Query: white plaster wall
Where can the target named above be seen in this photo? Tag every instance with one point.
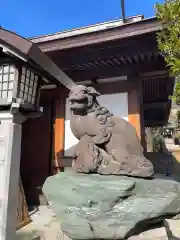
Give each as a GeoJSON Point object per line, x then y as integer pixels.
{"type": "Point", "coordinates": [70, 140]}
{"type": "Point", "coordinates": [116, 103]}
{"type": "Point", "coordinates": [5, 117]}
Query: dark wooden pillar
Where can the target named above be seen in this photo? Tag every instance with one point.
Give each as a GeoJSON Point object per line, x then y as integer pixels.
{"type": "Point", "coordinates": [143, 132]}
{"type": "Point", "coordinates": [134, 105]}
{"type": "Point", "coordinates": [135, 110]}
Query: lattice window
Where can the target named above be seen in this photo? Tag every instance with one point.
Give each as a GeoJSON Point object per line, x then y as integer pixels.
{"type": "Point", "coordinates": [7, 74]}
{"type": "Point", "coordinates": [28, 86]}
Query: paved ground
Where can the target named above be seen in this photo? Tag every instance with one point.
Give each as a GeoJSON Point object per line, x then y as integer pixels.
{"type": "Point", "coordinates": [39, 225]}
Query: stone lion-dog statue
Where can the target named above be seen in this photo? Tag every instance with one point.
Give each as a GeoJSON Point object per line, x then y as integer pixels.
{"type": "Point", "coordinates": [108, 144]}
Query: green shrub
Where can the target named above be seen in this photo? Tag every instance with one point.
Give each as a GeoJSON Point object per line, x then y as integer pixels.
{"type": "Point", "coordinates": [169, 39]}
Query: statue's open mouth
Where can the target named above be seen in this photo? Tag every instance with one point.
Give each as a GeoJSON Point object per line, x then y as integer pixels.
{"type": "Point", "coordinates": [78, 103]}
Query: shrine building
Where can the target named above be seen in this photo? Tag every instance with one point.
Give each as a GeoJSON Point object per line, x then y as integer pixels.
{"type": "Point", "coordinates": [121, 60]}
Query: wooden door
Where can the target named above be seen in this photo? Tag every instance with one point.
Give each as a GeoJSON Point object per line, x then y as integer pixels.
{"type": "Point", "coordinates": [36, 155]}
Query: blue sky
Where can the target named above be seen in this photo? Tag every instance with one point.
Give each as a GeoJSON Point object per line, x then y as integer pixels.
{"type": "Point", "coordinates": [37, 17]}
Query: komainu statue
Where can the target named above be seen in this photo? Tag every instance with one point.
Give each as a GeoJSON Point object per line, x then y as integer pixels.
{"type": "Point", "coordinates": [107, 144]}
{"type": "Point", "coordinates": [110, 193]}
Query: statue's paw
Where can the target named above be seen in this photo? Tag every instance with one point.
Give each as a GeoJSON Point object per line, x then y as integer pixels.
{"type": "Point", "coordinates": [110, 166]}
{"type": "Point", "coordinates": [145, 172]}
{"type": "Point", "coordinates": [141, 166]}
{"type": "Point", "coordinates": [81, 168]}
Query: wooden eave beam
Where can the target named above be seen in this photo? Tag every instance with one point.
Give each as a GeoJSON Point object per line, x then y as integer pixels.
{"type": "Point", "coordinates": [122, 32]}
{"type": "Point", "coordinates": [95, 56]}
{"type": "Point", "coordinates": [124, 70]}
{"type": "Point", "coordinates": [155, 74]}
{"type": "Point", "coordinates": [155, 123]}
{"type": "Point", "coordinates": [161, 105]}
